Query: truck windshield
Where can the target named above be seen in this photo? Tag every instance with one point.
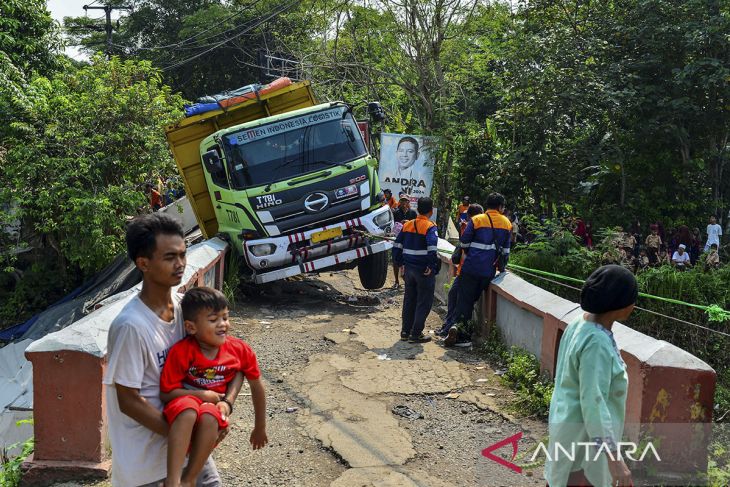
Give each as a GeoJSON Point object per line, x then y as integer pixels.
{"type": "Point", "coordinates": [292, 147]}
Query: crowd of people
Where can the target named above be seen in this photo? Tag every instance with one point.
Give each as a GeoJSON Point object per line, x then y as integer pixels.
{"type": "Point", "coordinates": [164, 192]}
{"type": "Point", "coordinates": [679, 247]}
{"type": "Point", "coordinates": [591, 383]}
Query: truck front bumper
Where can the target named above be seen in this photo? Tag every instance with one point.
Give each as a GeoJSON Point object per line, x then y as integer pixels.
{"type": "Point", "coordinates": [289, 255]}
{"type": "Point", "coordinates": [322, 263]}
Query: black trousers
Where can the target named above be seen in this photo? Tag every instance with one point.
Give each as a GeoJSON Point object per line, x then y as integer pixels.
{"type": "Point", "coordinates": [471, 287]}
{"type": "Point", "coordinates": [417, 300]}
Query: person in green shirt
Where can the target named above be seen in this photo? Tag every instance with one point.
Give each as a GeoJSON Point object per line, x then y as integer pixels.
{"type": "Point", "coordinates": [588, 406]}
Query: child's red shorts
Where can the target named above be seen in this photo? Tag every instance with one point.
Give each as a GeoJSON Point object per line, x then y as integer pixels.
{"type": "Point", "coordinates": [182, 403]}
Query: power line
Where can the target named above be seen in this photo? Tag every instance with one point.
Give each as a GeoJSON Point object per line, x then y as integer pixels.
{"type": "Point", "coordinates": [181, 44]}
{"type": "Point", "coordinates": [108, 13]}
{"type": "Point", "coordinates": [260, 21]}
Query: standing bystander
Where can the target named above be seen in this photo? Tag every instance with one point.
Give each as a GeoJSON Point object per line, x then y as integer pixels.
{"type": "Point", "coordinates": [154, 196]}
{"type": "Point", "coordinates": [400, 216]}
{"type": "Point", "coordinates": [486, 239]}
{"type": "Point", "coordinates": [653, 244]}
{"type": "Point", "coordinates": [415, 250]}
{"type": "Point", "coordinates": [591, 385]}
{"type": "Point", "coordinates": [714, 232]}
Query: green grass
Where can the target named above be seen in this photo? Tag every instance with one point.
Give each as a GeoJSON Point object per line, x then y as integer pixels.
{"type": "Point", "coordinates": [522, 375]}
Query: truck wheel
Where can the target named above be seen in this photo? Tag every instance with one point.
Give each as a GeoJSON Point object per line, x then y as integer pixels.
{"type": "Point", "coordinates": [373, 270]}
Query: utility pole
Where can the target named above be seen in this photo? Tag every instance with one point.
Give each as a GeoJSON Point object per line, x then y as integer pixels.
{"type": "Point", "coordinates": [108, 11]}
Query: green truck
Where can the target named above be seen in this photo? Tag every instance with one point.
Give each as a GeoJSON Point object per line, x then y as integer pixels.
{"type": "Point", "coordinates": [288, 183]}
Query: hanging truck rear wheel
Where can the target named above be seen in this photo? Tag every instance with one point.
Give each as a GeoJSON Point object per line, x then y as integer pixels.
{"type": "Point", "coordinates": [373, 270]}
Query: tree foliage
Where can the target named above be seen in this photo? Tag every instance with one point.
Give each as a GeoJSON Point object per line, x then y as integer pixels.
{"type": "Point", "coordinates": [74, 163]}
{"type": "Point", "coordinates": [28, 35]}
{"type": "Point", "coordinates": [203, 46]}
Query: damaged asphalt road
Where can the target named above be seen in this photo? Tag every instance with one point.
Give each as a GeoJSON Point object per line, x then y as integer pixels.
{"type": "Point", "coordinates": [351, 405]}
{"type": "Point", "coordinates": [332, 351]}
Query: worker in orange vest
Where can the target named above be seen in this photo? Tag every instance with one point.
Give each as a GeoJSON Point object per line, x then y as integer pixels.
{"type": "Point", "coordinates": [457, 259]}
{"type": "Point", "coordinates": [389, 199]}
{"type": "Point", "coordinates": [415, 250]}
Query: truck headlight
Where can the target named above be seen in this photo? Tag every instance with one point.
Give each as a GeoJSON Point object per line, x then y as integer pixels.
{"type": "Point", "coordinates": [260, 250]}
{"type": "Point", "coordinates": [384, 219]}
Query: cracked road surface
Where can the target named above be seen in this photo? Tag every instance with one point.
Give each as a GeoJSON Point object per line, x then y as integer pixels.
{"type": "Point", "coordinates": [336, 372]}
{"type": "Point", "coordinates": [331, 350]}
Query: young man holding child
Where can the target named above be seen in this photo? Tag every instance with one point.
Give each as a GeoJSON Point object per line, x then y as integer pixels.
{"type": "Point", "coordinates": [138, 343]}
{"type": "Point", "coordinates": [194, 380]}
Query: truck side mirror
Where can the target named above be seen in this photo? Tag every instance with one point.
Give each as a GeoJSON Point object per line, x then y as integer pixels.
{"type": "Point", "coordinates": [212, 162]}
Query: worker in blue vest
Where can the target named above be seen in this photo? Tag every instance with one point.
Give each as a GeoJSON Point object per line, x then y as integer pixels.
{"type": "Point", "coordinates": [415, 252]}
{"type": "Point", "coordinates": [486, 241]}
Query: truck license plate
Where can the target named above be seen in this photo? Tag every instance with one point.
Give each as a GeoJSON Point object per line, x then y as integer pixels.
{"type": "Point", "coordinates": [326, 235]}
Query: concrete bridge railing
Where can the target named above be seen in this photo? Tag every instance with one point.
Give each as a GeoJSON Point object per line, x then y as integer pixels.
{"type": "Point", "coordinates": [670, 389]}
{"type": "Point", "coordinates": [667, 385]}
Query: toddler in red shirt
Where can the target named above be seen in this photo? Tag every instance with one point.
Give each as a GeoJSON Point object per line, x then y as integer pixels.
{"type": "Point", "coordinates": [194, 381]}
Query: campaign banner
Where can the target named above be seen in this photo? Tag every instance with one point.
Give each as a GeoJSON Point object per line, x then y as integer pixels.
{"type": "Point", "coordinates": [406, 164]}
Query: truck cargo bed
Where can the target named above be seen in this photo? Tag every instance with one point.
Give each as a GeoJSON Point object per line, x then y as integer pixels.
{"type": "Point", "coordinates": [184, 139]}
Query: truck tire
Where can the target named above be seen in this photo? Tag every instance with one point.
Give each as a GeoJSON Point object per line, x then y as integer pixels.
{"type": "Point", "coordinates": [373, 270]}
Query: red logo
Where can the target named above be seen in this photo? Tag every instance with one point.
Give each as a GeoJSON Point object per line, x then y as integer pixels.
{"type": "Point", "coordinates": [358, 179]}
{"type": "Point", "coordinates": [513, 440]}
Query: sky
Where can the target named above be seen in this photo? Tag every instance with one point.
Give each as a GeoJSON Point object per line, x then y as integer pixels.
{"type": "Point", "coordinates": [75, 8]}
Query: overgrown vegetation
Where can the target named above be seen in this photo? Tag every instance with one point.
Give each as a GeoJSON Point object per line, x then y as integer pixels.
{"type": "Point", "coordinates": [10, 472]}
{"type": "Point", "coordinates": [520, 371]}
{"type": "Point", "coordinates": [77, 148]}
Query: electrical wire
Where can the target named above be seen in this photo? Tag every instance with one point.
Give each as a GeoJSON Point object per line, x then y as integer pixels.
{"type": "Point", "coordinates": [261, 20]}
{"type": "Point", "coordinates": [181, 44]}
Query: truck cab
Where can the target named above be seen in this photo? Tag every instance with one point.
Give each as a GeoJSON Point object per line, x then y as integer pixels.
{"type": "Point", "coordinates": [294, 192]}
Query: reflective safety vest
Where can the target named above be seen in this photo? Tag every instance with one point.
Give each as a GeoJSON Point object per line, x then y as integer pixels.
{"type": "Point", "coordinates": [481, 241]}
{"type": "Point", "coordinates": [417, 245]}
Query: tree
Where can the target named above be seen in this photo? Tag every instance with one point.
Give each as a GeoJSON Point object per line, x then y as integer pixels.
{"type": "Point", "coordinates": [201, 46]}
{"type": "Point", "coordinates": [29, 36]}
{"type": "Point", "coordinates": [74, 164]}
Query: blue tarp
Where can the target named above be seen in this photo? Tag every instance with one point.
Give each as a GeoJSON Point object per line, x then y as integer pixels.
{"type": "Point", "coordinates": [210, 103]}
{"type": "Point", "coordinates": [118, 276]}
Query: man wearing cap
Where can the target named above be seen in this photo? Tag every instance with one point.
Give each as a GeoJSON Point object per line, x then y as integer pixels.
{"type": "Point", "coordinates": [588, 405]}
{"type": "Point", "coordinates": [680, 258]}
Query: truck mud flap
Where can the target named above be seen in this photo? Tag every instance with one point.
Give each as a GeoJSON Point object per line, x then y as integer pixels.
{"type": "Point", "coordinates": [323, 262]}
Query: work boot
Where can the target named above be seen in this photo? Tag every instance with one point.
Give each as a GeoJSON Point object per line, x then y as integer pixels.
{"type": "Point", "coordinates": [452, 337]}
{"type": "Point", "coordinates": [420, 339]}
{"type": "Point", "coordinates": [403, 336]}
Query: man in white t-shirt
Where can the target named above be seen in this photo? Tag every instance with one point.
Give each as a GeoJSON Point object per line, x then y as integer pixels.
{"type": "Point", "coordinates": [138, 342]}
{"type": "Point", "coordinates": [680, 258]}
{"type": "Point", "coordinates": [714, 232]}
